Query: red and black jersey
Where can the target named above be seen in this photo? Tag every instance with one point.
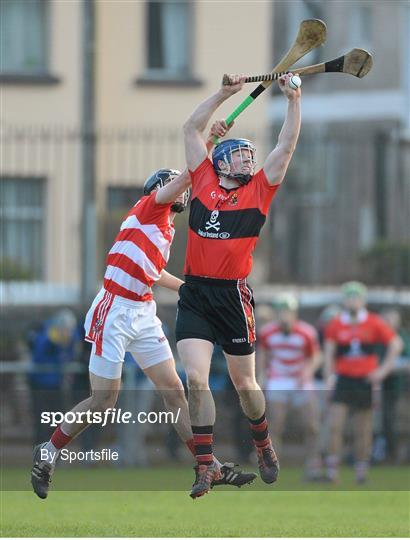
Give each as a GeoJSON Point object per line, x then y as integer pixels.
{"type": "Point", "coordinates": [356, 342]}
{"type": "Point", "coordinates": [224, 225]}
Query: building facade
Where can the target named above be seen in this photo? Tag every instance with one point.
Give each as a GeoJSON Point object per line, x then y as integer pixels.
{"type": "Point", "coordinates": [347, 189]}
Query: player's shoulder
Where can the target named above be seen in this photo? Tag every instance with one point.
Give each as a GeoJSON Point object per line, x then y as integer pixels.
{"type": "Point", "coordinates": [334, 325]}
{"type": "Point", "coordinates": [205, 167]}
{"type": "Point", "coordinates": [375, 319]}
{"type": "Point", "coordinates": [260, 179]}
{"type": "Point", "coordinates": [147, 210]}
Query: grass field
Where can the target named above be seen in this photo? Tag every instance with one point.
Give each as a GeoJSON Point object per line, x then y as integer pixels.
{"type": "Point", "coordinates": [246, 512]}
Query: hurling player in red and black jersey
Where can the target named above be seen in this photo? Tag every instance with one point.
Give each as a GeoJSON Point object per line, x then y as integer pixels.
{"type": "Point", "coordinates": [352, 372]}
{"type": "Point", "coordinates": [228, 209]}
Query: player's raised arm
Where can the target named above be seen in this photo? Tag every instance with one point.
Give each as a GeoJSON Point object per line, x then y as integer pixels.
{"type": "Point", "coordinates": [173, 189]}
{"type": "Point", "coordinates": [277, 162]}
{"type": "Point", "coordinates": [181, 183]}
{"type": "Point", "coordinates": [195, 146]}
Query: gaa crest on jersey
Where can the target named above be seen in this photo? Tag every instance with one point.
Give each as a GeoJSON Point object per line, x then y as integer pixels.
{"type": "Point", "coordinates": [233, 200]}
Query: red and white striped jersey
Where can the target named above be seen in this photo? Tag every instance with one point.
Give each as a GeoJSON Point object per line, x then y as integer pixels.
{"type": "Point", "coordinates": [288, 352]}
{"type": "Point", "coordinates": [141, 250]}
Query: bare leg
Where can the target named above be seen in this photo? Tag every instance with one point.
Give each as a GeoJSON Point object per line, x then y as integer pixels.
{"type": "Point", "coordinates": [363, 428]}
{"type": "Point", "coordinates": [337, 418]}
{"type": "Point", "coordinates": [277, 411]}
{"type": "Point", "coordinates": [196, 357]}
{"type": "Point", "coordinates": [309, 413]}
{"type": "Point", "coordinates": [104, 394]}
{"type": "Point", "coordinates": [167, 382]}
{"type": "Point", "coordinates": [242, 373]}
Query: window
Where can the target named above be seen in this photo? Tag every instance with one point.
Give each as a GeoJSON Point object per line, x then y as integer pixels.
{"type": "Point", "coordinates": [168, 39]}
{"type": "Point", "coordinates": [22, 228]}
{"type": "Point", "coordinates": [23, 36]}
{"type": "Point", "coordinates": [299, 10]}
{"type": "Point", "coordinates": [361, 22]}
{"type": "Point", "coordinates": [122, 198]}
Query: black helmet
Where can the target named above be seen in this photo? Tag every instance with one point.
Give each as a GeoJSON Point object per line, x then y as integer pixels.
{"type": "Point", "coordinates": [159, 179]}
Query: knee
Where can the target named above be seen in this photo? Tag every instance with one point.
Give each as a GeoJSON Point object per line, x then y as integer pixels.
{"type": "Point", "coordinates": [101, 400]}
{"type": "Point", "coordinates": [197, 381]}
{"type": "Point", "coordinates": [245, 384]}
{"type": "Point", "coordinates": [173, 392]}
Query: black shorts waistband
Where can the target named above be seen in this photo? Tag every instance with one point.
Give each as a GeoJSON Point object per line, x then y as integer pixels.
{"type": "Point", "coordinates": [215, 282]}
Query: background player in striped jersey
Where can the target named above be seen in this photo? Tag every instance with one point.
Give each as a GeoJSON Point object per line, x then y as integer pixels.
{"type": "Point", "coordinates": [228, 209]}
{"type": "Point", "coordinates": [288, 356]}
{"type": "Point", "coordinates": [123, 318]}
{"type": "Point", "coordinates": [352, 374]}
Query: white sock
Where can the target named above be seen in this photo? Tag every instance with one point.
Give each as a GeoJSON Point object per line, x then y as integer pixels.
{"type": "Point", "coordinates": [216, 460]}
{"type": "Point", "coordinates": [52, 452]}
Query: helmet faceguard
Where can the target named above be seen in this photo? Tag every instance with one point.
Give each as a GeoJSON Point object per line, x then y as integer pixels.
{"type": "Point", "coordinates": [159, 179]}
{"type": "Point", "coordinates": [178, 206]}
{"type": "Point", "coordinates": [223, 152]}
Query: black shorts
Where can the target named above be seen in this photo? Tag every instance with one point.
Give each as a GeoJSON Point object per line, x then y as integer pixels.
{"type": "Point", "coordinates": [355, 392]}
{"type": "Point", "coordinates": [217, 310]}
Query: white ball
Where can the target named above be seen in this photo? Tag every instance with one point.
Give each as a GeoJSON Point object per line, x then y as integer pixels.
{"type": "Point", "coordinates": [295, 82]}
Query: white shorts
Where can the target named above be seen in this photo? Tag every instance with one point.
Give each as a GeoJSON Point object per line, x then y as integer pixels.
{"type": "Point", "coordinates": [287, 390]}
{"type": "Point", "coordinates": [115, 326]}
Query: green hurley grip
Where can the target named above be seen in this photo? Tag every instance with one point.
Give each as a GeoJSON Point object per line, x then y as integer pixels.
{"type": "Point", "coordinates": [240, 108]}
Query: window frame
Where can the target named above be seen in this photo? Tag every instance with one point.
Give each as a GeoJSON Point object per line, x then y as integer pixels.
{"type": "Point", "coordinates": [157, 76]}
{"type": "Point", "coordinates": [40, 77]}
{"type": "Point", "coordinates": [42, 181]}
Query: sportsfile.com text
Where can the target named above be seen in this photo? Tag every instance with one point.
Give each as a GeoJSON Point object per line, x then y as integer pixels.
{"type": "Point", "coordinates": [110, 416]}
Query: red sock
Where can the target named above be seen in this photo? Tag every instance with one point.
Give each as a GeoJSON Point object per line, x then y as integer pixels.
{"type": "Point", "coordinates": [59, 439]}
{"type": "Point", "coordinates": [203, 439]}
{"type": "Point", "coordinates": [260, 433]}
{"type": "Point", "coordinates": [191, 446]}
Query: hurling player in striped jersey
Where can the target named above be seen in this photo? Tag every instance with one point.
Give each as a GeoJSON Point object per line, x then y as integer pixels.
{"type": "Point", "coordinates": [123, 319]}
{"type": "Point", "coordinates": [229, 205]}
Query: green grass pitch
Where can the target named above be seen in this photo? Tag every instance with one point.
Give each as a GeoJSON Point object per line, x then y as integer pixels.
{"type": "Point", "coordinates": [232, 512]}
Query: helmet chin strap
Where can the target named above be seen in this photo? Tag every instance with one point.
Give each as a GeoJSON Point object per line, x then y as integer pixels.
{"type": "Point", "coordinates": [177, 207]}
{"type": "Point", "coordinates": [239, 177]}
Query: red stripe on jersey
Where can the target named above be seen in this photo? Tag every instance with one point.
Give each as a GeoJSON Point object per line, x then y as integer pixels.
{"type": "Point", "coordinates": [288, 347]}
{"type": "Point", "coordinates": [120, 260]}
{"type": "Point", "coordinates": [115, 288]}
{"type": "Point", "coordinates": [288, 351]}
{"type": "Point", "coordinates": [290, 361]}
{"type": "Point", "coordinates": [137, 237]}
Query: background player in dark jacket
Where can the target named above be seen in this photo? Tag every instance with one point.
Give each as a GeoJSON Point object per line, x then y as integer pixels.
{"type": "Point", "coordinates": [228, 209]}
{"type": "Point", "coordinates": [352, 372]}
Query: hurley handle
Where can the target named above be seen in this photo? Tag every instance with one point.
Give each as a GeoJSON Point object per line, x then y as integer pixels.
{"type": "Point", "coordinates": [241, 107]}
{"type": "Point", "coordinates": [256, 78]}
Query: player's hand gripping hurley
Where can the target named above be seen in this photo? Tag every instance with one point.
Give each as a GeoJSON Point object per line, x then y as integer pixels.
{"type": "Point", "coordinates": [311, 34]}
